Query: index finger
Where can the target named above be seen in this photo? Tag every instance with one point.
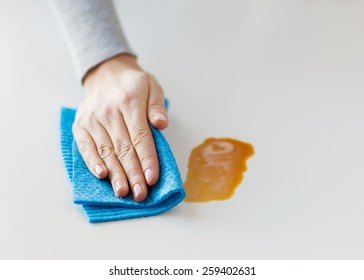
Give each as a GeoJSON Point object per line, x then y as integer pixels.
{"type": "Point", "coordinates": [143, 142]}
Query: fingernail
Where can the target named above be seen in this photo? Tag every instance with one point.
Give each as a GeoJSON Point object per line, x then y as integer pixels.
{"type": "Point", "coordinates": [117, 187]}
{"type": "Point", "coordinates": [137, 190]}
{"type": "Point", "coordinates": [149, 175]}
{"type": "Point", "coordinates": [160, 117]}
{"type": "Point", "coordinates": [98, 169]}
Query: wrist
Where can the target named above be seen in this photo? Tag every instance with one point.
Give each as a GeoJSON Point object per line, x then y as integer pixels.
{"type": "Point", "coordinates": [111, 66]}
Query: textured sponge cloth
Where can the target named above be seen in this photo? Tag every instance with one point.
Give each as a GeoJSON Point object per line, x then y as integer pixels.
{"type": "Point", "coordinates": [97, 197]}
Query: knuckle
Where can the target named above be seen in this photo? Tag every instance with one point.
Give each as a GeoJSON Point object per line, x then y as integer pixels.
{"type": "Point", "coordinates": [107, 114]}
{"type": "Point", "coordinates": [140, 135]}
{"type": "Point", "coordinates": [118, 174]}
{"type": "Point", "coordinates": [84, 146]}
{"type": "Point", "coordinates": [75, 128]}
{"type": "Point", "coordinates": [135, 93]}
{"type": "Point", "coordinates": [105, 150]}
{"type": "Point", "coordinates": [133, 173]}
{"type": "Point", "coordinates": [147, 160]}
{"type": "Point", "coordinates": [82, 118]}
{"type": "Point", "coordinates": [128, 99]}
{"type": "Point", "coordinates": [122, 148]}
{"type": "Point", "coordinates": [141, 77]}
{"type": "Point", "coordinates": [157, 107]}
{"type": "Point", "coordinates": [131, 102]}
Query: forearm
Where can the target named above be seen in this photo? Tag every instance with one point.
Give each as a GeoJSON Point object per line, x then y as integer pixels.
{"type": "Point", "coordinates": [92, 31]}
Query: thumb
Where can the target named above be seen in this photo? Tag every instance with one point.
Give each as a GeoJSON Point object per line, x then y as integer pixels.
{"type": "Point", "coordinates": [157, 113]}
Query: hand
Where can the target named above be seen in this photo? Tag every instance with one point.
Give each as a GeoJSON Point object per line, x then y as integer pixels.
{"type": "Point", "coordinates": [111, 125]}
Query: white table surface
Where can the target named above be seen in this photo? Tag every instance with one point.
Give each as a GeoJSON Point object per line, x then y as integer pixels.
{"type": "Point", "coordinates": [286, 76]}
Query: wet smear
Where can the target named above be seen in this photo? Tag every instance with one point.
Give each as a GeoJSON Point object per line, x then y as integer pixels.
{"type": "Point", "coordinates": [215, 169]}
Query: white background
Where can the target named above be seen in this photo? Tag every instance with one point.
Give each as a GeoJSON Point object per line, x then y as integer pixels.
{"type": "Point", "coordinates": [286, 76]}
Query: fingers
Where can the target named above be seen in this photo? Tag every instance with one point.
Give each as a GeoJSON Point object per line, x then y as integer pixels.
{"type": "Point", "coordinates": [101, 152]}
{"type": "Point", "coordinates": [88, 151]}
{"type": "Point", "coordinates": [157, 113]}
{"type": "Point", "coordinates": [142, 141]}
{"type": "Point", "coordinates": [126, 156]}
{"type": "Point", "coordinates": [114, 136]}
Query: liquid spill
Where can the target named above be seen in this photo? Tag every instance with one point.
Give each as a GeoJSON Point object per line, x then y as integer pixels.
{"type": "Point", "coordinates": [215, 169]}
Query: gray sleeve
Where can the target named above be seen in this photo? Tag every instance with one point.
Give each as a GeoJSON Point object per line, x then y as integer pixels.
{"type": "Point", "coordinates": [92, 30]}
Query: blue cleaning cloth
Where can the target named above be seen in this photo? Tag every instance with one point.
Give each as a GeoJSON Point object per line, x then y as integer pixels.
{"type": "Point", "coordinates": [97, 197]}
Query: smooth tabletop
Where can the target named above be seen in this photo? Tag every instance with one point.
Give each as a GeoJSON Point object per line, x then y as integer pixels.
{"type": "Point", "coordinates": [285, 76]}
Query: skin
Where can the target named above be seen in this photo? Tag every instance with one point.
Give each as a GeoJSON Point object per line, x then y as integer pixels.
{"type": "Point", "coordinates": [111, 125]}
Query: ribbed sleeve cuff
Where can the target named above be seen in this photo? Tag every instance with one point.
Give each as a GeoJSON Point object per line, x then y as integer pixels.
{"type": "Point", "coordinates": [92, 30]}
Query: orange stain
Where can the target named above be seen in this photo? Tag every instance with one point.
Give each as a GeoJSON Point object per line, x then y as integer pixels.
{"type": "Point", "coordinates": [215, 169]}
